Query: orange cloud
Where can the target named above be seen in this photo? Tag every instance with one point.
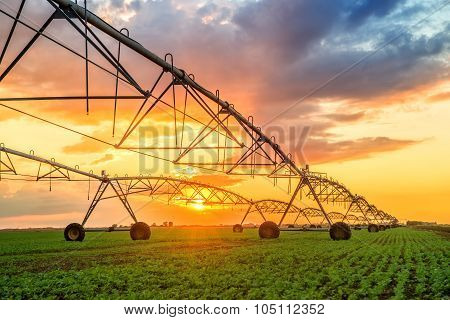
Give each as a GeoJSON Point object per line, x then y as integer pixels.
{"type": "Point", "coordinates": [106, 157]}
{"type": "Point", "coordinates": [342, 117]}
{"type": "Point", "coordinates": [321, 151]}
{"type": "Point", "coordinates": [443, 96]}
{"type": "Point", "coordinates": [86, 146]}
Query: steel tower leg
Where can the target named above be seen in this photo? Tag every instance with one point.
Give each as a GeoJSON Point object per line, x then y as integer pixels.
{"type": "Point", "coordinates": [115, 185]}
{"type": "Point", "coordinates": [318, 202]}
{"type": "Point", "coordinates": [262, 215]}
{"type": "Point", "coordinates": [246, 214]}
{"type": "Point", "coordinates": [98, 196]}
{"type": "Point", "coordinates": [123, 198]}
{"type": "Point", "coordinates": [349, 208]}
{"type": "Point", "coordinates": [299, 213]}
{"type": "Point", "coordinates": [362, 211]}
{"type": "Point", "coordinates": [299, 186]}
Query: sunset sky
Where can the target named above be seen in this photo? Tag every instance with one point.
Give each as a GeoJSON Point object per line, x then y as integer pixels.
{"type": "Point", "coordinates": [380, 127]}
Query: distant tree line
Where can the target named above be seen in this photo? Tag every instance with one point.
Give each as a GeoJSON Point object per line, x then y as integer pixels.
{"type": "Point", "coordinates": [418, 223]}
{"type": "Point", "coordinates": [167, 224]}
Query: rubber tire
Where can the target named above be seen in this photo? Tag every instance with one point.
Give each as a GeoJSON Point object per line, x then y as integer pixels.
{"type": "Point", "coordinates": [373, 228]}
{"type": "Point", "coordinates": [269, 230]}
{"type": "Point", "coordinates": [290, 226]}
{"type": "Point", "coordinates": [382, 227]}
{"type": "Point", "coordinates": [140, 231]}
{"type": "Point", "coordinates": [238, 228]}
{"type": "Point", "coordinates": [340, 231]}
{"type": "Point", "coordinates": [387, 226]}
{"type": "Point", "coordinates": [312, 226]}
{"type": "Point", "coordinates": [74, 232]}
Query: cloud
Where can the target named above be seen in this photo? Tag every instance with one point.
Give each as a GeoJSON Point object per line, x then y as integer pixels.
{"type": "Point", "coordinates": [362, 10]}
{"type": "Point", "coordinates": [443, 96]}
{"type": "Point", "coordinates": [407, 63]}
{"type": "Point", "coordinates": [89, 145]}
{"type": "Point", "coordinates": [105, 158]}
{"type": "Point", "coordinates": [345, 117]}
{"type": "Point", "coordinates": [283, 49]}
{"type": "Point", "coordinates": [321, 150]}
{"type": "Point", "coordinates": [86, 145]}
{"type": "Point", "coordinates": [116, 10]}
{"type": "Point", "coordinates": [31, 200]}
{"type": "Point", "coordinates": [275, 27]}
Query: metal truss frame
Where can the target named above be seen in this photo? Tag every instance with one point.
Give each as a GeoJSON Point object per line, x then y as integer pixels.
{"type": "Point", "coordinates": [177, 191]}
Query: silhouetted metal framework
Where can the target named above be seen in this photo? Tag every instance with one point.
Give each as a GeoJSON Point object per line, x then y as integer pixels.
{"type": "Point", "coordinates": [266, 206]}
{"type": "Point", "coordinates": [242, 151]}
{"type": "Point", "coordinates": [172, 190]}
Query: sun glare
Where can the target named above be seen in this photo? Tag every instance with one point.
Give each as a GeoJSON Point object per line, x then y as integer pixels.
{"type": "Point", "coordinates": [197, 204]}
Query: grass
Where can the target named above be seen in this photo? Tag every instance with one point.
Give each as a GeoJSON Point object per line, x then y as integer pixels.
{"type": "Point", "coordinates": [214, 263]}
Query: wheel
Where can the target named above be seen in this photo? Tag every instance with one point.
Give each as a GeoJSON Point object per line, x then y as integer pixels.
{"type": "Point", "coordinates": [290, 226]}
{"type": "Point", "coordinates": [140, 231]}
{"type": "Point", "coordinates": [238, 228]}
{"type": "Point", "coordinates": [340, 231]}
{"type": "Point", "coordinates": [373, 228]}
{"type": "Point", "coordinates": [313, 226]}
{"type": "Point", "coordinates": [269, 230]}
{"type": "Point", "coordinates": [74, 232]}
{"type": "Point", "coordinates": [381, 227]}
{"type": "Point", "coordinates": [387, 226]}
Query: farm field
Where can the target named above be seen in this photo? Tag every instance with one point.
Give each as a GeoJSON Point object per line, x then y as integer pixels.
{"type": "Point", "coordinates": [214, 263]}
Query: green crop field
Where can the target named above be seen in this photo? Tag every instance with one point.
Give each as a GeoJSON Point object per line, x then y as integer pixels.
{"type": "Point", "coordinates": [214, 263]}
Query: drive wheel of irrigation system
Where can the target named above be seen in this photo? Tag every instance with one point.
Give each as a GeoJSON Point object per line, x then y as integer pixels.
{"type": "Point", "coordinates": [238, 228]}
{"type": "Point", "coordinates": [382, 227]}
{"type": "Point", "coordinates": [269, 230]}
{"type": "Point", "coordinates": [74, 232]}
{"type": "Point", "coordinates": [340, 231]}
{"type": "Point", "coordinates": [373, 228]}
{"type": "Point", "coordinates": [140, 231]}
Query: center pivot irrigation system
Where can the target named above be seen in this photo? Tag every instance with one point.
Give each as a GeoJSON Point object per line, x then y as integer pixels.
{"type": "Point", "coordinates": [172, 190]}
{"type": "Point", "coordinates": [206, 132]}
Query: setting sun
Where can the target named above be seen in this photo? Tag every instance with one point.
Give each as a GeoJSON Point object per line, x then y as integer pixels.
{"type": "Point", "coordinates": [197, 205]}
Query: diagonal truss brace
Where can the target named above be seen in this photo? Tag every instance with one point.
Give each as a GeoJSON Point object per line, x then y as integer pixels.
{"type": "Point", "coordinates": [28, 46]}
{"type": "Point", "coordinates": [6, 165]}
{"type": "Point", "coordinates": [115, 185]}
{"type": "Point", "coordinates": [11, 32]}
{"type": "Point", "coordinates": [61, 175]}
{"type": "Point", "coordinates": [304, 181]}
{"type": "Point", "coordinates": [249, 210]}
